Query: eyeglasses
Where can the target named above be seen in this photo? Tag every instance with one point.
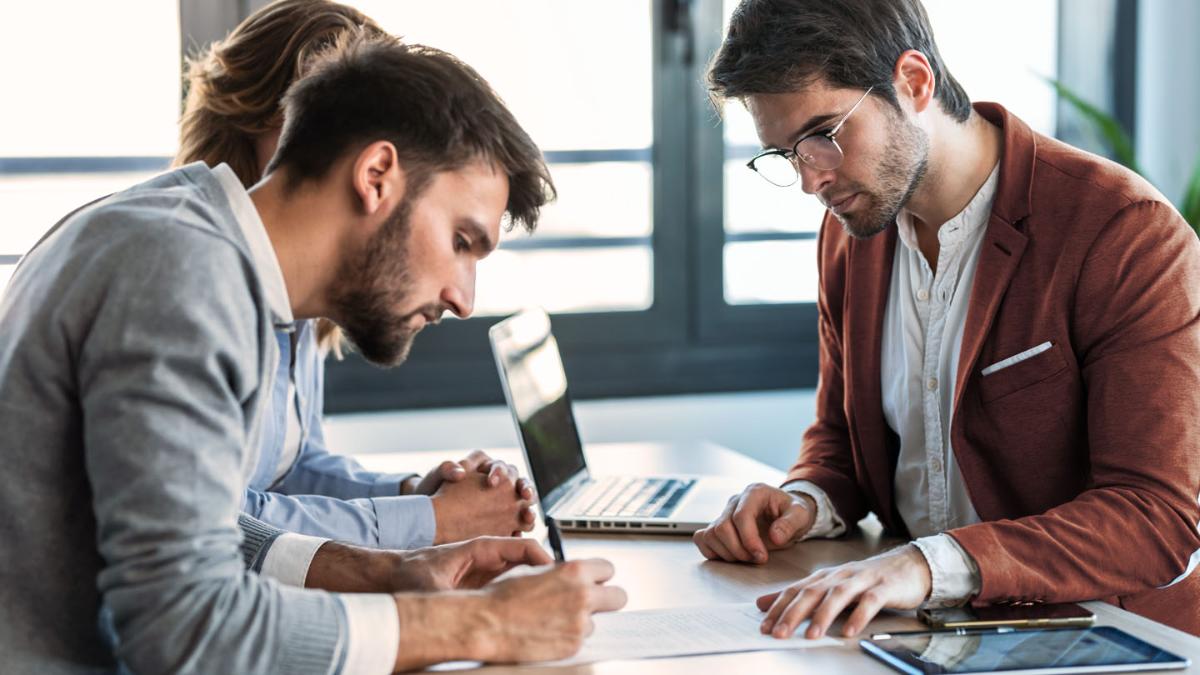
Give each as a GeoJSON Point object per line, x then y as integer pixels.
{"type": "Point", "coordinates": [819, 150]}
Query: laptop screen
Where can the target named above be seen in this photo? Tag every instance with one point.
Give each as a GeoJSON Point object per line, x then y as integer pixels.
{"type": "Point", "coordinates": [535, 385]}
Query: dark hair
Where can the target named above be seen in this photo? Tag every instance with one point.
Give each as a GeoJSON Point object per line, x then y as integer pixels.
{"type": "Point", "coordinates": [437, 111]}
{"type": "Point", "coordinates": [782, 46]}
{"type": "Point", "coordinates": [235, 87]}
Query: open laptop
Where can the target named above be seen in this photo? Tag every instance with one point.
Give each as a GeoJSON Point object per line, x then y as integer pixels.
{"type": "Point", "coordinates": [535, 386]}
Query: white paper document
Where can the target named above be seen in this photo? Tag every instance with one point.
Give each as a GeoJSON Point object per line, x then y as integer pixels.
{"type": "Point", "coordinates": [684, 631]}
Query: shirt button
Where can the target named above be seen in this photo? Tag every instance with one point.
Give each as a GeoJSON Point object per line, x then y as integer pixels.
{"type": "Point", "coordinates": [932, 384]}
{"type": "Point", "coordinates": [937, 465]}
{"type": "Point", "coordinates": [922, 295]}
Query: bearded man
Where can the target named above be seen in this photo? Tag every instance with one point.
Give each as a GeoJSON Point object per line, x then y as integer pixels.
{"type": "Point", "coordinates": [1009, 338]}
{"type": "Point", "coordinates": [137, 360]}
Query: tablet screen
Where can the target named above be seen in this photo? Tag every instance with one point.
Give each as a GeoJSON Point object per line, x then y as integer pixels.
{"type": "Point", "coordinates": [1047, 651]}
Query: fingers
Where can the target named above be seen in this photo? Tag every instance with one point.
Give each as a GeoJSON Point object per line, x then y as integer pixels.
{"type": "Point", "coordinates": [520, 551]}
{"type": "Point", "coordinates": [527, 518]}
{"type": "Point", "coordinates": [745, 521]}
{"type": "Point", "coordinates": [735, 535]}
{"type": "Point", "coordinates": [499, 471]}
{"type": "Point", "coordinates": [795, 521]}
{"type": "Point", "coordinates": [477, 460]}
{"type": "Point", "coordinates": [764, 602]}
{"type": "Point", "coordinates": [783, 601]}
{"type": "Point", "coordinates": [706, 538]}
{"type": "Point", "coordinates": [450, 471]}
{"type": "Point", "coordinates": [700, 539]}
{"type": "Point", "coordinates": [869, 604]}
{"type": "Point", "coordinates": [836, 599]}
{"type": "Point", "coordinates": [592, 570]}
{"type": "Point", "coordinates": [607, 598]}
{"type": "Point", "coordinates": [525, 490]}
{"type": "Point", "coordinates": [718, 546]}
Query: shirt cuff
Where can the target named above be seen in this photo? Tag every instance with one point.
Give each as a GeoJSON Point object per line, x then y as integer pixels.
{"type": "Point", "coordinates": [388, 484]}
{"type": "Point", "coordinates": [405, 522]}
{"type": "Point", "coordinates": [288, 558]}
{"type": "Point", "coordinates": [372, 635]}
{"type": "Point", "coordinates": [828, 524]}
{"type": "Point", "coordinates": [955, 576]}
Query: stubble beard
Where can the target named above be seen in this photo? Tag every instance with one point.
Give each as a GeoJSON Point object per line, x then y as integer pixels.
{"type": "Point", "coordinates": [900, 172]}
{"type": "Point", "coordinates": [371, 284]}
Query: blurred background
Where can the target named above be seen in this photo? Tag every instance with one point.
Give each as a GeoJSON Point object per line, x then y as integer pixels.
{"type": "Point", "coordinates": [681, 286]}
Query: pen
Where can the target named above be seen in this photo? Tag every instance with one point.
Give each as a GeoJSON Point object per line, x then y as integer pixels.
{"type": "Point", "coordinates": [555, 540]}
{"type": "Point", "coordinates": [948, 631]}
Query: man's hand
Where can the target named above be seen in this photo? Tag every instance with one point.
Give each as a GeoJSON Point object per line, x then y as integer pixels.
{"type": "Point", "coordinates": [760, 519]}
{"type": "Point", "coordinates": [899, 579]}
{"type": "Point", "coordinates": [465, 565]}
{"type": "Point", "coordinates": [478, 462]}
{"type": "Point", "coordinates": [488, 500]}
{"type": "Point", "coordinates": [533, 617]}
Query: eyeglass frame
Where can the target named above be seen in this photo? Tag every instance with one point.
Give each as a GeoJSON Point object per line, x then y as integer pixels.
{"type": "Point", "coordinates": [831, 134]}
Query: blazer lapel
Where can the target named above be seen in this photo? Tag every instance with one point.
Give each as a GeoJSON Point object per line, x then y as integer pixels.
{"type": "Point", "coordinates": [870, 276]}
{"type": "Point", "coordinates": [999, 257]}
{"type": "Point", "coordinates": [1003, 243]}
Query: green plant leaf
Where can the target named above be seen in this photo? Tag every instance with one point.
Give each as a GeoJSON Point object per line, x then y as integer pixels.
{"type": "Point", "coordinates": [1109, 128]}
{"type": "Point", "coordinates": [1190, 206]}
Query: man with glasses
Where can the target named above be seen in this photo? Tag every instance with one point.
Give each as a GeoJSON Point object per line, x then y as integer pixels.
{"type": "Point", "coordinates": [1009, 352]}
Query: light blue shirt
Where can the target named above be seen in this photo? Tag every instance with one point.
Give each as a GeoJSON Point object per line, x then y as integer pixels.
{"type": "Point", "coordinates": [324, 494]}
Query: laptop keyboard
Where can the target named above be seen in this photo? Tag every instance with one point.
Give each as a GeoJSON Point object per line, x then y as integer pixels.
{"type": "Point", "coordinates": [617, 497]}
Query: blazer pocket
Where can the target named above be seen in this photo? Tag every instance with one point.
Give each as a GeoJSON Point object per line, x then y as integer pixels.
{"type": "Point", "coordinates": [1021, 370]}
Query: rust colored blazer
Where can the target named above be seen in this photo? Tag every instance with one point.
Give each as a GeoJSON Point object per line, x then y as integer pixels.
{"type": "Point", "coordinates": [1082, 461]}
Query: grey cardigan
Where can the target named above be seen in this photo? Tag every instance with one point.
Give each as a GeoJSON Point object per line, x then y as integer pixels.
{"type": "Point", "coordinates": [135, 341]}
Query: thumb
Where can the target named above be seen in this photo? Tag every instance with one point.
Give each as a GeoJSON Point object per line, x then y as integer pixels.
{"type": "Point", "coordinates": [794, 522]}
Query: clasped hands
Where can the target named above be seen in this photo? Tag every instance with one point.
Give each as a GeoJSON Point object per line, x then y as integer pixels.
{"type": "Point", "coordinates": [476, 496]}
{"type": "Point", "coordinates": [764, 518]}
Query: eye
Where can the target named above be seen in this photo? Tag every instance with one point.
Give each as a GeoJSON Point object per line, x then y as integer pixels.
{"type": "Point", "coordinates": [461, 245]}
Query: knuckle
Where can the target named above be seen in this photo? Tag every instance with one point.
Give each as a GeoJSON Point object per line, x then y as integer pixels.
{"type": "Point", "coordinates": [580, 623]}
{"type": "Point", "coordinates": [810, 592]}
{"type": "Point", "coordinates": [756, 489]}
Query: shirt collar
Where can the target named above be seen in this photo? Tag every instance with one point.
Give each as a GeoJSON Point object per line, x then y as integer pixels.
{"type": "Point", "coordinates": [266, 264]}
{"type": "Point", "coordinates": [953, 231]}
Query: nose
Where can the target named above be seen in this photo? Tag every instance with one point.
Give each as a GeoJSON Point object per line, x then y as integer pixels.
{"type": "Point", "coordinates": [813, 181]}
{"type": "Point", "coordinates": [459, 294]}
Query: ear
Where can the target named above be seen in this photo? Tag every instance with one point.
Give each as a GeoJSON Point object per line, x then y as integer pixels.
{"type": "Point", "coordinates": [379, 180]}
{"type": "Point", "coordinates": [913, 79]}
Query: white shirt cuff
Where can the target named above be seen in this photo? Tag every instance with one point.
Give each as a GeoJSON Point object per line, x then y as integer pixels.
{"type": "Point", "coordinates": [955, 576]}
{"type": "Point", "coordinates": [373, 633]}
{"type": "Point", "coordinates": [289, 556]}
{"type": "Point", "coordinates": [827, 523]}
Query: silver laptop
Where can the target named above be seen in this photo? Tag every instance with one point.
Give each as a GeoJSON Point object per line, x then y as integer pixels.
{"type": "Point", "coordinates": [535, 386]}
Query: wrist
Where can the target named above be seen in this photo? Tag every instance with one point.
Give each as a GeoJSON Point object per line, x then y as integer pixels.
{"type": "Point", "coordinates": [442, 518]}
{"type": "Point", "coordinates": [435, 628]}
{"type": "Point", "coordinates": [917, 558]}
{"type": "Point", "coordinates": [342, 568]}
{"type": "Point", "coordinates": [809, 504]}
{"type": "Point", "coordinates": [408, 486]}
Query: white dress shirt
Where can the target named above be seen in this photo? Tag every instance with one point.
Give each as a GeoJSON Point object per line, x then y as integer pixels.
{"type": "Point", "coordinates": [373, 634]}
{"type": "Point", "coordinates": [922, 337]}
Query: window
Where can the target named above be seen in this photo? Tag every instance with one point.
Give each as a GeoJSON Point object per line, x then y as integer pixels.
{"type": "Point", "coordinates": [668, 266]}
{"type": "Point", "coordinates": [724, 263]}
{"type": "Point", "coordinates": [99, 104]}
{"type": "Point", "coordinates": [589, 109]}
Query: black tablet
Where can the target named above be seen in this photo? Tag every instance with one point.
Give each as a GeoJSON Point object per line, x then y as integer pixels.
{"type": "Point", "coordinates": [1068, 650]}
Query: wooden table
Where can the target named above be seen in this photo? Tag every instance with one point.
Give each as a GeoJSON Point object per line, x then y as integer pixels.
{"type": "Point", "coordinates": [667, 571]}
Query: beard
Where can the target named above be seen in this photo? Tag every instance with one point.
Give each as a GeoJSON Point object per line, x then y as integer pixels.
{"type": "Point", "coordinates": [371, 284]}
{"type": "Point", "coordinates": [905, 161]}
